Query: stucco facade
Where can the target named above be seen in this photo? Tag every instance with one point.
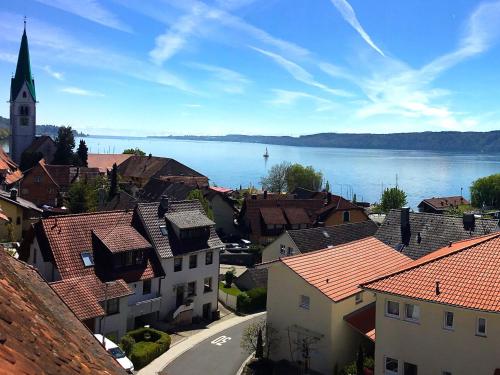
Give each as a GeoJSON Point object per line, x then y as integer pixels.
{"type": "Point", "coordinates": [223, 215]}
{"type": "Point", "coordinates": [337, 217]}
{"type": "Point", "coordinates": [430, 346]}
{"type": "Point", "coordinates": [273, 251]}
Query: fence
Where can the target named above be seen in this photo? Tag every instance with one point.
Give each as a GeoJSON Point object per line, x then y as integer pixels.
{"type": "Point", "coordinates": [227, 299]}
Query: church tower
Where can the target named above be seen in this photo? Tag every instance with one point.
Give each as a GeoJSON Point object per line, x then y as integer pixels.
{"type": "Point", "coordinates": [22, 103]}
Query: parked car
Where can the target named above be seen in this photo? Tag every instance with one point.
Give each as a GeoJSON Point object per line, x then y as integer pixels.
{"type": "Point", "coordinates": [116, 352]}
{"type": "Point", "coordinates": [245, 244]}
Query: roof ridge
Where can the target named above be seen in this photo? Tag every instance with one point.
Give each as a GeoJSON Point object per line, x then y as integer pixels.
{"type": "Point", "coordinates": [85, 214]}
{"type": "Point", "coordinates": [427, 259]}
{"type": "Point", "coordinates": [440, 215]}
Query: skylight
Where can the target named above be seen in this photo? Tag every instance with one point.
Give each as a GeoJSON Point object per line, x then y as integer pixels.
{"type": "Point", "coordinates": [88, 259]}
{"type": "Point", "coordinates": [163, 230]}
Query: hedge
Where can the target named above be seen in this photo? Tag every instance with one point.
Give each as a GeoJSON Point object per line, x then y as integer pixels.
{"type": "Point", "coordinates": [141, 350]}
{"type": "Point", "coordinates": [252, 300]}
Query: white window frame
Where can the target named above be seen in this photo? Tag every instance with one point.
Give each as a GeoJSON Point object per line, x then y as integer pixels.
{"type": "Point", "coordinates": [302, 302]}
{"type": "Point", "coordinates": [482, 334]}
{"type": "Point", "coordinates": [282, 249]}
{"type": "Point", "coordinates": [387, 313]}
{"type": "Point", "coordinates": [445, 325]}
{"type": "Point", "coordinates": [415, 308]}
{"type": "Point", "coordinates": [390, 372]}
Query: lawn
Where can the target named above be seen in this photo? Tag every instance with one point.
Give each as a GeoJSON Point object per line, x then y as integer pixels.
{"type": "Point", "coordinates": [234, 291]}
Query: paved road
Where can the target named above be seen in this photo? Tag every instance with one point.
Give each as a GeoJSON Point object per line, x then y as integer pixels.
{"type": "Point", "coordinates": [220, 354]}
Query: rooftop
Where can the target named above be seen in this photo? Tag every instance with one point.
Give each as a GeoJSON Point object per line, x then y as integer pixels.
{"type": "Point", "coordinates": [21, 202]}
{"type": "Point", "coordinates": [105, 161]}
{"type": "Point", "coordinates": [121, 238]}
{"type": "Point", "coordinates": [189, 219]}
{"type": "Point", "coordinates": [338, 271]}
{"type": "Point", "coordinates": [443, 203]}
{"type": "Point", "coordinates": [467, 273]}
{"type": "Point", "coordinates": [11, 170]}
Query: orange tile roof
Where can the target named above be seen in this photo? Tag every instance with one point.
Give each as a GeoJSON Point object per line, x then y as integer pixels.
{"type": "Point", "coordinates": [13, 173]}
{"type": "Point", "coordinates": [468, 273]}
{"type": "Point", "coordinates": [338, 271]}
{"type": "Point", "coordinates": [363, 320]}
{"type": "Point", "coordinates": [105, 161]}
{"type": "Point", "coordinates": [121, 238]}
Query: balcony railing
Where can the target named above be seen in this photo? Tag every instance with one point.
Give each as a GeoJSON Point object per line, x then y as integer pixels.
{"type": "Point", "coordinates": [145, 307]}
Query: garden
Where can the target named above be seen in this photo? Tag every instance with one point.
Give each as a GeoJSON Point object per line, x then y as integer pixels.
{"type": "Point", "coordinates": [144, 344]}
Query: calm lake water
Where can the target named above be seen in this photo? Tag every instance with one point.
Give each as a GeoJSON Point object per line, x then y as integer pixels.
{"type": "Point", "coordinates": [421, 174]}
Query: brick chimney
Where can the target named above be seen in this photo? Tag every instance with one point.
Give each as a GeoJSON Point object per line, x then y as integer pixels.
{"type": "Point", "coordinates": [13, 194]}
{"type": "Point", "coordinates": [405, 226]}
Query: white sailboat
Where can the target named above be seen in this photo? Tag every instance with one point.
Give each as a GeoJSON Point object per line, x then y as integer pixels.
{"type": "Point", "coordinates": [266, 154]}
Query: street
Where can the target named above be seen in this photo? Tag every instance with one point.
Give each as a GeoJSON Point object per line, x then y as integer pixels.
{"type": "Point", "coordinates": [220, 354]}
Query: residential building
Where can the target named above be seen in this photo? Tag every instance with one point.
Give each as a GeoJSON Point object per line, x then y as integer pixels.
{"type": "Point", "coordinates": [43, 146]}
{"type": "Point", "coordinates": [20, 212]}
{"type": "Point", "coordinates": [293, 242]}
{"type": "Point", "coordinates": [10, 174]}
{"type": "Point", "coordinates": [224, 210]}
{"type": "Point", "coordinates": [338, 210]}
{"type": "Point", "coordinates": [441, 313]}
{"type": "Point", "coordinates": [416, 234]}
{"type": "Point", "coordinates": [101, 267]}
{"type": "Point", "coordinates": [322, 291]}
{"type": "Point", "coordinates": [442, 204]}
{"type": "Point", "coordinates": [155, 188]}
{"type": "Point", "coordinates": [38, 333]}
{"type": "Point", "coordinates": [252, 278]}
{"type": "Point", "coordinates": [188, 247]}
{"type": "Point", "coordinates": [104, 162]}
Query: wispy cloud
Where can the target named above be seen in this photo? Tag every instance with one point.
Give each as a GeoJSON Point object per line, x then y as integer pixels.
{"type": "Point", "coordinates": [79, 91]}
{"type": "Point", "coordinates": [91, 10]}
{"type": "Point", "coordinates": [57, 75]}
{"type": "Point", "coordinates": [349, 16]}
{"type": "Point", "coordinates": [300, 74]}
{"type": "Point", "coordinates": [287, 97]}
{"type": "Point", "coordinates": [8, 57]}
{"type": "Point", "coordinates": [228, 80]}
{"type": "Point", "coordinates": [193, 105]}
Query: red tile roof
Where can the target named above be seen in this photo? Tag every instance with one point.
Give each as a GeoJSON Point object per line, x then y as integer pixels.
{"type": "Point", "coordinates": [442, 203]}
{"type": "Point", "coordinates": [338, 271]}
{"type": "Point", "coordinates": [38, 333]}
{"type": "Point", "coordinates": [121, 238]}
{"type": "Point", "coordinates": [337, 203]}
{"type": "Point", "coordinates": [468, 273]}
{"type": "Point", "coordinates": [220, 189]}
{"type": "Point", "coordinates": [273, 216]}
{"type": "Point", "coordinates": [11, 170]}
{"type": "Point", "coordinates": [297, 215]}
{"type": "Point", "coordinates": [363, 320]}
{"type": "Point", "coordinates": [105, 161]}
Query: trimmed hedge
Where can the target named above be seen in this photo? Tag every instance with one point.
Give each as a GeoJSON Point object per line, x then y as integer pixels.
{"type": "Point", "coordinates": [142, 350]}
{"type": "Point", "coordinates": [252, 300]}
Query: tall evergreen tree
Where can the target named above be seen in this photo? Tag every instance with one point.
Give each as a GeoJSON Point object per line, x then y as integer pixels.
{"type": "Point", "coordinates": [83, 153]}
{"type": "Point", "coordinates": [113, 184]}
{"type": "Point", "coordinates": [65, 143]}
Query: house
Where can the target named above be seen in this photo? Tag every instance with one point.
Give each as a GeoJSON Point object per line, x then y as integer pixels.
{"type": "Point", "coordinates": [139, 169]}
{"type": "Point", "coordinates": [293, 242]}
{"type": "Point", "coordinates": [442, 204]}
{"type": "Point", "coordinates": [252, 278]}
{"type": "Point", "coordinates": [43, 146]}
{"type": "Point", "coordinates": [224, 210]}
{"type": "Point", "coordinates": [441, 313]}
{"type": "Point", "coordinates": [310, 296]}
{"type": "Point", "coordinates": [10, 174]}
{"type": "Point", "coordinates": [20, 212]}
{"type": "Point", "coordinates": [101, 267]}
{"type": "Point", "coordinates": [39, 334]}
{"type": "Point", "coordinates": [338, 210]}
{"type": "Point", "coordinates": [155, 188]}
{"type": "Point", "coordinates": [264, 217]}
{"type": "Point", "coordinates": [47, 184]}
{"type": "Point", "coordinates": [104, 162]}
{"type": "Point", "coordinates": [186, 242]}
{"type": "Point", "coordinates": [416, 234]}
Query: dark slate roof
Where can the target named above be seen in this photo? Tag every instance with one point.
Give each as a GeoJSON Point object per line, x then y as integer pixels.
{"type": "Point", "coordinates": [38, 333]}
{"type": "Point", "coordinates": [23, 71]}
{"type": "Point", "coordinates": [155, 188]}
{"type": "Point", "coordinates": [154, 166]}
{"type": "Point", "coordinates": [121, 201]}
{"type": "Point", "coordinates": [38, 142]}
{"type": "Point", "coordinates": [169, 246]}
{"type": "Point", "coordinates": [6, 196]}
{"type": "Point", "coordinates": [429, 232]}
{"type": "Point", "coordinates": [301, 193]}
{"type": "Point", "coordinates": [257, 277]}
{"type": "Point", "coordinates": [188, 219]}
{"type": "Point", "coordinates": [323, 237]}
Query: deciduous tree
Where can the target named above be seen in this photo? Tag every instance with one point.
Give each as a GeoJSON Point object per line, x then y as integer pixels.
{"type": "Point", "coordinates": [134, 151]}
{"type": "Point", "coordinates": [298, 176]}
{"type": "Point", "coordinates": [250, 338]}
{"type": "Point", "coordinates": [392, 198]}
{"type": "Point", "coordinates": [198, 194]}
{"type": "Point", "coordinates": [276, 179]}
{"type": "Point", "coordinates": [486, 191]}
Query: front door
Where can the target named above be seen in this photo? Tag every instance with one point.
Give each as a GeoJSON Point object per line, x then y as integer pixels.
{"type": "Point", "coordinates": [179, 296]}
{"type": "Point", "coordinates": [207, 307]}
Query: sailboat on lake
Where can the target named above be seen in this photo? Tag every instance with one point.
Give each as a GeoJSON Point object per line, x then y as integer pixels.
{"type": "Point", "coordinates": [266, 154]}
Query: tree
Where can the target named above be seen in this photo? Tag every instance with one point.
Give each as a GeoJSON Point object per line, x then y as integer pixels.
{"type": "Point", "coordinates": [276, 179]}
{"type": "Point", "coordinates": [360, 359]}
{"type": "Point", "coordinates": [198, 194]}
{"type": "Point", "coordinates": [134, 151]}
{"type": "Point", "coordinates": [82, 152]}
{"type": "Point", "coordinates": [113, 182]}
{"type": "Point", "coordinates": [229, 277]}
{"type": "Point", "coordinates": [327, 186]}
{"type": "Point", "coordinates": [29, 159]}
{"type": "Point", "coordinates": [304, 177]}
{"type": "Point", "coordinates": [65, 143]}
{"type": "Point", "coordinates": [77, 200]}
{"type": "Point", "coordinates": [485, 191]}
{"type": "Point", "coordinates": [392, 198]}
{"type": "Point", "coordinates": [250, 338]}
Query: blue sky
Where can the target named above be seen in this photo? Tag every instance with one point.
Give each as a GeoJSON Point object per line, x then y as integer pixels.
{"type": "Point", "coordinates": [278, 67]}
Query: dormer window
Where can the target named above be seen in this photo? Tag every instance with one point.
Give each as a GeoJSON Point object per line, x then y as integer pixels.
{"type": "Point", "coordinates": [87, 258]}
{"type": "Point", "coordinates": [130, 258]}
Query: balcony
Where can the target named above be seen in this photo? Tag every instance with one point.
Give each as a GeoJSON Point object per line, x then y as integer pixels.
{"type": "Point", "coordinates": [144, 307]}
{"type": "Point", "coordinates": [186, 306]}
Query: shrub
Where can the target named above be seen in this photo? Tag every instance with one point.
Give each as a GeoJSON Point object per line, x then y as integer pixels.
{"type": "Point", "coordinates": [252, 300]}
{"type": "Point", "coordinates": [242, 302]}
{"type": "Point", "coordinates": [146, 344]}
{"type": "Point", "coordinates": [127, 343]}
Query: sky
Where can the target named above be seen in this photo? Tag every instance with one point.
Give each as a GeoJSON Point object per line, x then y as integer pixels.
{"type": "Point", "coordinates": [273, 67]}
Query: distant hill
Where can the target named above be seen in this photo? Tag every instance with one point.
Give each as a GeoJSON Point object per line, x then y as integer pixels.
{"type": "Point", "coordinates": [50, 130]}
{"type": "Point", "coordinates": [478, 142]}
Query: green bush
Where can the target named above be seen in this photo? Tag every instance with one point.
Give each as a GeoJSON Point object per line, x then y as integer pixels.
{"type": "Point", "coordinates": [146, 344]}
{"type": "Point", "coordinates": [252, 300]}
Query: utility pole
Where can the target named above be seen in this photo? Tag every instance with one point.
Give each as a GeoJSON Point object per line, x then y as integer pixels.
{"type": "Point", "coordinates": [105, 310]}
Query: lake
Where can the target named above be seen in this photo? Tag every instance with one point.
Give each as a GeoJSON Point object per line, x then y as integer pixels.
{"type": "Point", "coordinates": [421, 174]}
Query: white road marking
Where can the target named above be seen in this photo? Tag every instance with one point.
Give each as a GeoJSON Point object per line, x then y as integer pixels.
{"type": "Point", "coordinates": [220, 340]}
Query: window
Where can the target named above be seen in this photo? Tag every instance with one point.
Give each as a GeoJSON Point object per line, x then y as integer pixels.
{"type": "Point", "coordinates": [112, 306]}
{"type": "Point", "coordinates": [129, 258]}
{"type": "Point", "coordinates": [209, 257]}
{"type": "Point", "coordinates": [305, 302]}
{"type": "Point", "coordinates": [192, 289]}
{"type": "Point", "coordinates": [289, 252]}
{"type": "Point", "coordinates": [207, 285]}
{"type": "Point", "coordinates": [283, 250]}
{"type": "Point", "coordinates": [88, 259]}
{"type": "Point", "coordinates": [410, 369]}
{"type": "Point", "coordinates": [392, 309]}
{"type": "Point", "coordinates": [358, 297]}
{"type": "Point", "coordinates": [177, 264]}
{"type": "Point", "coordinates": [347, 216]}
{"type": "Point", "coordinates": [24, 94]}
{"type": "Point", "coordinates": [146, 286]}
{"type": "Point", "coordinates": [412, 312]}
{"type": "Point", "coordinates": [163, 230]}
{"type": "Point", "coordinates": [391, 366]}
{"type": "Point", "coordinates": [37, 179]}
{"type": "Point", "coordinates": [193, 261]}
{"type": "Point", "coordinates": [448, 320]}
{"type": "Point", "coordinates": [481, 327]}
{"type": "Point", "coordinates": [18, 220]}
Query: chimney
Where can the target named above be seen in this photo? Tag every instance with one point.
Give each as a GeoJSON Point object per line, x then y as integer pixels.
{"type": "Point", "coordinates": [163, 207]}
{"type": "Point", "coordinates": [405, 226]}
{"type": "Point", "coordinates": [469, 222]}
{"type": "Point", "coordinates": [265, 194]}
{"type": "Point", "coordinates": [438, 292]}
{"type": "Point", "coordinates": [13, 194]}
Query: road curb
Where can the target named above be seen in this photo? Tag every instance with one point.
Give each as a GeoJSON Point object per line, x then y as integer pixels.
{"type": "Point", "coordinates": [242, 367]}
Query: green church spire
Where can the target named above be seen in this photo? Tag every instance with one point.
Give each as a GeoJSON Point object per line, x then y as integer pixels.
{"type": "Point", "coordinates": [23, 70]}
